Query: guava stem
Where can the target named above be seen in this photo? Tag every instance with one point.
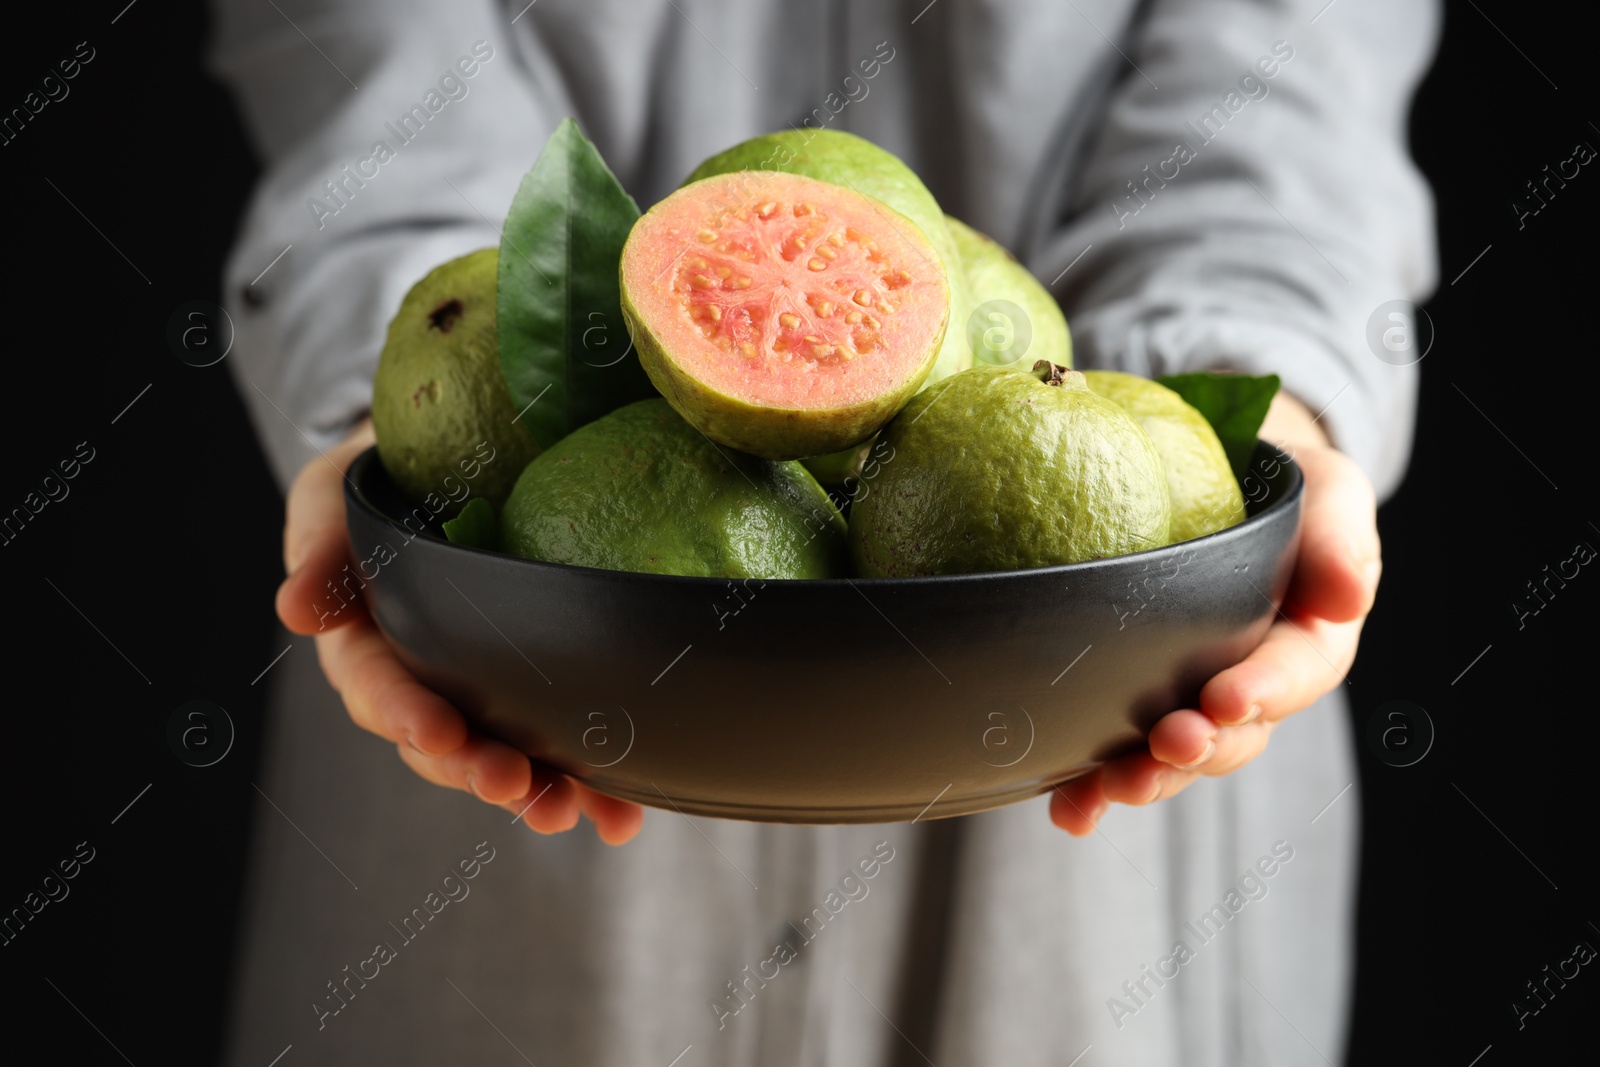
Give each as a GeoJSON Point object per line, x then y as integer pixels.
{"type": "Point", "coordinates": [1050, 373]}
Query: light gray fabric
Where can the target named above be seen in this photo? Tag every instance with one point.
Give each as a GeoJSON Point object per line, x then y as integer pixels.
{"type": "Point", "coordinates": [991, 939]}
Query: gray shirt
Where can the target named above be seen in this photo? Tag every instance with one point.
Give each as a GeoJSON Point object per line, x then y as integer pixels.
{"type": "Point", "coordinates": [1289, 214]}
{"type": "Point", "coordinates": [1203, 183]}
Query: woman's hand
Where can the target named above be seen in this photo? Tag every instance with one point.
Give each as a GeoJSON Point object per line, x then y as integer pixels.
{"type": "Point", "coordinates": [1306, 653]}
{"type": "Point", "coordinates": [432, 737]}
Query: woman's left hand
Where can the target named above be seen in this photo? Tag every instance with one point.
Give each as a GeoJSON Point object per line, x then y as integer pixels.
{"type": "Point", "coordinates": [1306, 653]}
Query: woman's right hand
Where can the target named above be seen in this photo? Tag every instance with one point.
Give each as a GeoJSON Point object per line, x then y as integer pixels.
{"type": "Point", "coordinates": [381, 696]}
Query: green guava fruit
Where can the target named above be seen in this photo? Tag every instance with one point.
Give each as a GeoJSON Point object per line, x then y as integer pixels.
{"type": "Point", "coordinates": [1033, 328]}
{"type": "Point", "coordinates": [439, 399]}
{"type": "Point", "coordinates": [642, 490]}
{"type": "Point", "coordinates": [1205, 495]}
{"type": "Point", "coordinates": [780, 315]}
{"type": "Point", "coordinates": [995, 333]}
{"type": "Point", "coordinates": [1000, 468]}
{"type": "Point", "coordinates": [856, 163]}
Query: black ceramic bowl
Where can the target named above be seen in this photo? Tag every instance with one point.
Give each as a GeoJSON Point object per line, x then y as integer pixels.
{"type": "Point", "coordinates": [834, 701]}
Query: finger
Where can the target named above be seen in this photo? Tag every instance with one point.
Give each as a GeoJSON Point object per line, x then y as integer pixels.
{"type": "Point", "coordinates": [551, 806]}
{"type": "Point", "coordinates": [320, 595]}
{"type": "Point", "coordinates": [1190, 741]}
{"type": "Point", "coordinates": [382, 696]}
{"type": "Point", "coordinates": [1236, 746]}
{"type": "Point", "coordinates": [545, 784]}
{"type": "Point", "coordinates": [1139, 778]}
{"type": "Point", "coordinates": [1298, 662]}
{"type": "Point", "coordinates": [1183, 738]}
{"type": "Point", "coordinates": [490, 770]}
{"type": "Point", "coordinates": [315, 504]}
{"type": "Point", "coordinates": [616, 821]}
{"type": "Point", "coordinates": [1336, 575]}
{"type": "Point", "coordinates": [1076, 806]}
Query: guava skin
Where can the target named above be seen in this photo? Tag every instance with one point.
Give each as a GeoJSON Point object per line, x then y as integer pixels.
{"type": "Point", "coordinates": [439, 393]}
{"type": "Point", "coordinates": [993, 273]}
{"type": "Point", "coordinates": [999, 469]}
{"type": "Point", "coordinates": [1205, 495]}
{"type": "Point", "coordinates": [858, 164]}
{"type": "Point", "coordinates": [642, 490]}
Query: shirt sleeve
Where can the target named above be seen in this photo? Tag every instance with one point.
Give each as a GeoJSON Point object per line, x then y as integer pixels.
{"type": "Point", "coordinates": [392, 137]}
{"type": "Point", "coordinates": [1249, 204]}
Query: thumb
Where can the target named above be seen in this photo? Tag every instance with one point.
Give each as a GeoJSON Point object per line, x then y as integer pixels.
{"type": "Point", "coordinates": [1336, 576]}
{"type": "Point", "coordinates": [314, 538]}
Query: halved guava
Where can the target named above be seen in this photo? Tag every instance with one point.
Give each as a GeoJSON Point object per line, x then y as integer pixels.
{"type": "Point", "coordinates": [781, 315]}
{"type": "Point", "coordinates": [858, 164]}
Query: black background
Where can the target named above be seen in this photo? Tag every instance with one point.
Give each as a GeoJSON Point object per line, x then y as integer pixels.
{"type": "Point", "coordinates": [151, 584]}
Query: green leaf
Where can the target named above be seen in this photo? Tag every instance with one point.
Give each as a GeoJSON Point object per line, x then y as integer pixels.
{"type": "Point", "coordinates": [1234, 404]}
{"type": "Point", "coordinates": [475, 526]}
{"type": "Point", "coordinates": [564, 347]}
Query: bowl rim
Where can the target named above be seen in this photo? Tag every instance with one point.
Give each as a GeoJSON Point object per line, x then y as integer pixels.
{"type": "Point", "coordinates": [1289, 500]}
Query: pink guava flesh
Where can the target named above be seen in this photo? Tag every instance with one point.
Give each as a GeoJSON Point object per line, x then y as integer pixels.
{"type": "Point", "coordinates": [781, 291]}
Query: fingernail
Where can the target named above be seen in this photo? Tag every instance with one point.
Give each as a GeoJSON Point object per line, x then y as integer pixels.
{"type": "Point", "coordinates": [1211, 750]}
{"type": "Point", "coordinates": [1253, 714]}
{"type": "Point", "coordinates": [412, 741]}
{"type": "Point", "coordinates": [1155, 793]}
{"type": "Point", "coordinates": [472, 786]}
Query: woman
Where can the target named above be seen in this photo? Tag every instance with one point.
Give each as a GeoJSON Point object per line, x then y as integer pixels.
{"type": "Point", "coordinates": [1203, 184]}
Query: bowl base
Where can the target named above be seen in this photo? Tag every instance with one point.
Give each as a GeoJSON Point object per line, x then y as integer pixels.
{"type": "Point", "coordinates": [826, 816]}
